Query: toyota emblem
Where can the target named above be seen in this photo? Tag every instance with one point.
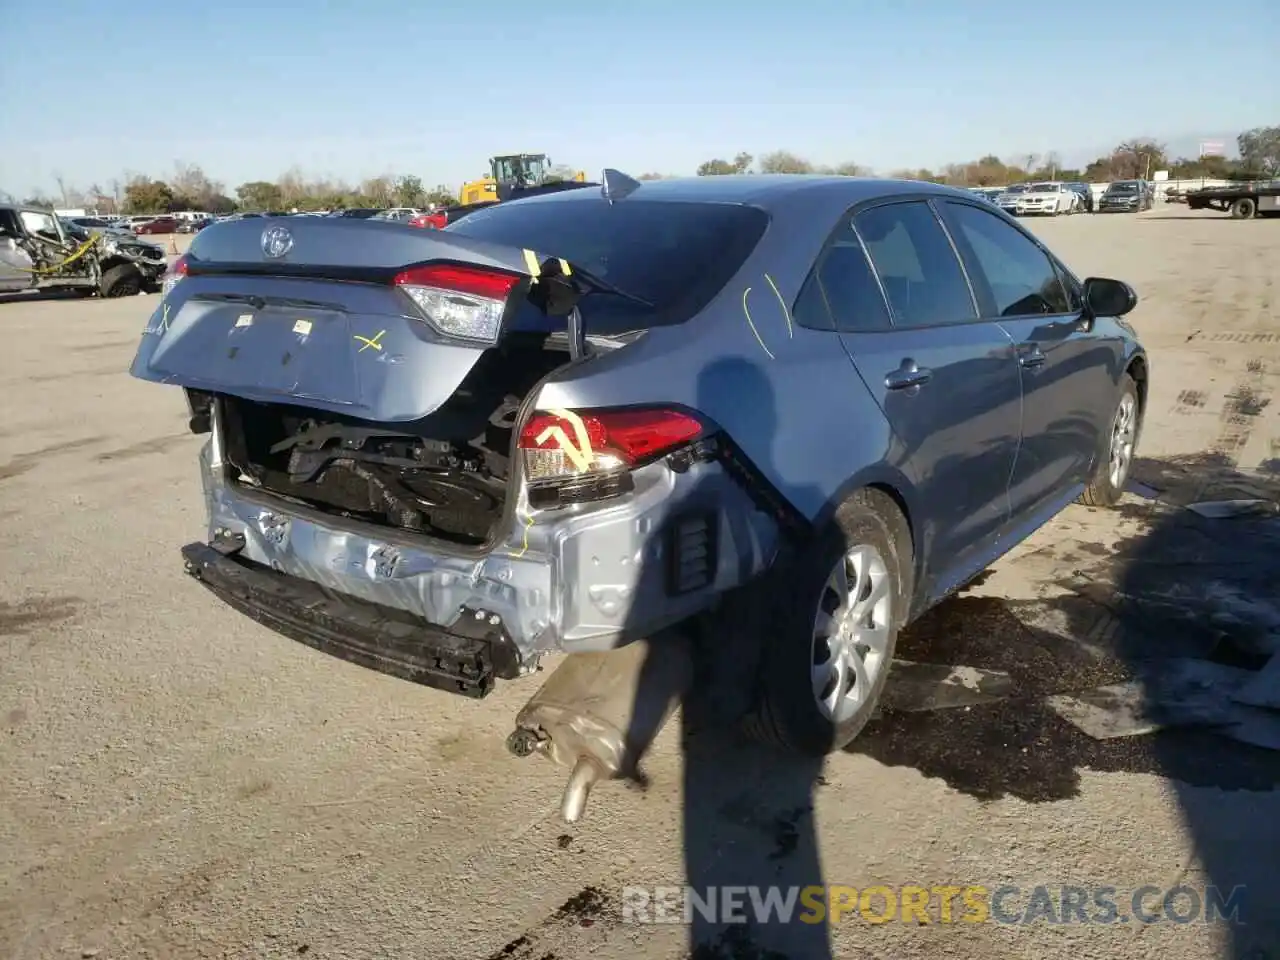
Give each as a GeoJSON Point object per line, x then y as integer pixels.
{"type": "Point", "coordinates": [276, 242]}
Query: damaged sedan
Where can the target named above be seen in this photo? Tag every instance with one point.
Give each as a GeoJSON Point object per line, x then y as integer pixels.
{"type": "Point", "coordinates": [790, 412]}
{"type": "Point", "coordinates": [38, 251]}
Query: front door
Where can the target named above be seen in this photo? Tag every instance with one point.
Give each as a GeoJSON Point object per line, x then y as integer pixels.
{"type": "Point", "coordinates": [947, 383]}
{"type": "Point", "coordinates": [1067, 377]}
{"type": "Point", "coordinates": [15, 264]}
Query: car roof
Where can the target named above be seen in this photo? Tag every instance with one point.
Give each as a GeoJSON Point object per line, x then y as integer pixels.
{"type": "Point", "coordinates": [762, 190]}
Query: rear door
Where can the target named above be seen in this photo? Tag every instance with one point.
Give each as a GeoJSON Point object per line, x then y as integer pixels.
{"type": "Point", "coordinates": [1066, 371]}
{"type": "Point", "coordinates": [947, 382]}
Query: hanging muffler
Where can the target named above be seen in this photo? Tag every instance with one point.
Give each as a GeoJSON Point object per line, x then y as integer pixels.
{"type": "Point", "coordinates": [599, 713]}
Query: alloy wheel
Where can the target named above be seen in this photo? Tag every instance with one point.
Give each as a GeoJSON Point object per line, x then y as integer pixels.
{"type": "Point", "coordinates": [851, 633]}
{"type": "Point", "coordinates": [1123, 434]}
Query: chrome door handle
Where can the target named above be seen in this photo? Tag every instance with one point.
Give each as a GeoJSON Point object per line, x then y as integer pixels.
{"type": "Point", "coordinates": [1032, 358]}
{"type": "Point", "coordinates": [907, 376]}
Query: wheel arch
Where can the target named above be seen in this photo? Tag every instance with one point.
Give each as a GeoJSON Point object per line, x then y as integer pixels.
{"type": "Point", "coordinates": [894, 485]}
{"type": "Point", "coordinates": [1138, 369]}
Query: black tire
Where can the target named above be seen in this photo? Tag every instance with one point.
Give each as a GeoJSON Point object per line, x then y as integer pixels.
{"type": "Point", "coordinates": [785, 713]}
{"type": "Point", "coordinates": [122, 280]}
{"type": "Point", "coordinates": [1103, 490]}
{"type": "Point", "coordinates": [1244, 208]}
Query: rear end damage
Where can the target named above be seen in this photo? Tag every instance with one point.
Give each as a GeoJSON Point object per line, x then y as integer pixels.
{"type": "Point", "coordinates": [375, 436]}
{"type": "Point", "coordinates": [382, 484]}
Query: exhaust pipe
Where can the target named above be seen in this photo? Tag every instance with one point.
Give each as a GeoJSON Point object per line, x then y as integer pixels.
{"type": "Point", "coordinates": [599, 713]}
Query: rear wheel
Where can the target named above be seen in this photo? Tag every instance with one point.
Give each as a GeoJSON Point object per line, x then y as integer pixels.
{"type": "Point", "coordinates": [834, 611]}
{"type": "Point", "coordinates": [122, 280]}
{"type": "Point", "coordinates": [1111, 472]}
{"type": "Point", "coordinates": [1244, 208]}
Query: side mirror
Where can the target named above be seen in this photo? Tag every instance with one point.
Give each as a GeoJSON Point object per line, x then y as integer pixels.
{"type": "Point", "coordinates": [1108, 298]}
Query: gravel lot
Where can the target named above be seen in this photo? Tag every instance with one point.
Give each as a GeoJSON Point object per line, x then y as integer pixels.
{"type": "Point", "coordinates": [179, 782]}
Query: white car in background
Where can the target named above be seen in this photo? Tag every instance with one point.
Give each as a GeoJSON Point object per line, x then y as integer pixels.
{"type": "Point", "coordinates": [398, 213]}
{"type": "Point", "coordinates": [1049, 199]}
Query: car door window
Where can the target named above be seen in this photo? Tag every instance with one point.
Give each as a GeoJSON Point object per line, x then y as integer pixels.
{"type": "Point", "coordinates": [854, 296]}
{"type": "Point", "coordinates": [916, 264]}
{"type": "Point", "coordinates": [41, 224]}
{"type": "Point", "coordinates": [810, 309]}
{"type": "Point", "coordinates": [1020, 277]}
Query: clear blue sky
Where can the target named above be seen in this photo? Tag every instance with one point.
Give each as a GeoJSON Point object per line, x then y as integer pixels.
{"type": "Point", "coordinates": [91, 90]}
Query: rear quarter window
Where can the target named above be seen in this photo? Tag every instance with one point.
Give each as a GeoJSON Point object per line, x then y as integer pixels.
{"type": "Point", "coordinates": [675, 255]}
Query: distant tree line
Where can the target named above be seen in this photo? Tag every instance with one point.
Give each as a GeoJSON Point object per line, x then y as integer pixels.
{"type": "Point", "coordinates": [1137, 157]}
{"type": "Point", "coordinates": [189, 188]}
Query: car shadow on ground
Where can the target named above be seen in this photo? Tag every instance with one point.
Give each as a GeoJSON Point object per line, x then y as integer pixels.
{"type": "Point", "coordinates": [1187, 592]}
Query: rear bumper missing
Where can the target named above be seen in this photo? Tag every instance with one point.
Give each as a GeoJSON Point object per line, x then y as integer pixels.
{"type": "Point", "coordinates": [576, 579]}
{"type": "Point", "coordinates": [464, 661]}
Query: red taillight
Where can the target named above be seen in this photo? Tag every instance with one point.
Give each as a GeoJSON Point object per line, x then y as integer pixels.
{"type": "Point", "coordinates": [463, 302]}
{"type": "Point", "coordinates": [470, 280]}
{"type": "Point", "coordinates": [560, 445]}
{"type": "Point", "coordinates": [177, 270]}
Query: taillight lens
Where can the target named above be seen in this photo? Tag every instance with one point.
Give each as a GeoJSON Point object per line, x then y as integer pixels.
{"type": "Point", "coordinates": [462, 302]}
{"type": "Point", "coordinates": [177, 270]}
{"type": "Point", "coordinates": [556, 445]}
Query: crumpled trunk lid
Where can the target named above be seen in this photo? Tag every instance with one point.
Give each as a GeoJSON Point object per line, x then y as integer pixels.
{"type": "Point", "coordinates": [319, 323]}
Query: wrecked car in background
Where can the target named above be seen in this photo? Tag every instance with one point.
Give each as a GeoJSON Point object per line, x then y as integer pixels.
{"type": "Point", "coordinates": [793, 412]}
{"type": "Point", "coordinates": [38, 251]}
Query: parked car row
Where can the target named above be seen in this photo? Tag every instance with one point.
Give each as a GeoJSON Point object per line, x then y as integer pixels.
{"type": "Point", "coordinates": [1050, 198]}
{"type": "Point", "coordinates": [1054, 197]}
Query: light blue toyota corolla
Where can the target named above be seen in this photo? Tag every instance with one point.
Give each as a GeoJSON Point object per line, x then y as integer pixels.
{"type": "Point", "coordinates": [569, 421]}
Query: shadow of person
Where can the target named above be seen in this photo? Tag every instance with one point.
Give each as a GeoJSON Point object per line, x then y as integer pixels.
{"type": "Point", "coordinates": [749, 842]}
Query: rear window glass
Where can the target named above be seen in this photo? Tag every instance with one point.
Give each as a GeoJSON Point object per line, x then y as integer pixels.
{"type": "Point", "coordinates": [675, 255]}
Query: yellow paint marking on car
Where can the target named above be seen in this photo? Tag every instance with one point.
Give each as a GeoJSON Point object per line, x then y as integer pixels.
{"type": "Point", "coordinates": [580, 452]}
{"type": "Point", "coordinates": [375, 341]}
{"type": "Point", "coordinates": [751, 323]}
{"type": "Point", "coordinates": [786, 311]}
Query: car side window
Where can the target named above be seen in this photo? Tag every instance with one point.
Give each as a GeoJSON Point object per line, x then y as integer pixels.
{"type": "Point", "coordinates": [810, 309]}
{"type": "Point", "coordinates": [40, 223]}
{"type": "Point", "coordinates": [1020, 277]}
{"type": "Point", "coordinates": [852, 292]}
{"type": "Point", "coordinates": [916, 264]}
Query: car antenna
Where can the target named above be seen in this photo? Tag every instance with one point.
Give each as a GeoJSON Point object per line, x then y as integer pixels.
{"type": "Point", "coordinates": [616, 185]}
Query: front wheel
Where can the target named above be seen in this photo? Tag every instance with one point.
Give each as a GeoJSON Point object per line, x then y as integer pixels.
{"type": "Point", "coordinates": [835, 609]}
{"type": "Point", "coordinates": [122, 280]}
{"type": "Point", "coordinates": [1111, 472]}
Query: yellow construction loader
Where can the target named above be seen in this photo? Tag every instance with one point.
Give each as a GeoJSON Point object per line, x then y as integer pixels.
{"type": "Point", "coordinates": [513, 174]}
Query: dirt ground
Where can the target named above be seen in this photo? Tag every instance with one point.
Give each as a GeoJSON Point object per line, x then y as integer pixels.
{"type": "Point", "coordinates": [179, 782]}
